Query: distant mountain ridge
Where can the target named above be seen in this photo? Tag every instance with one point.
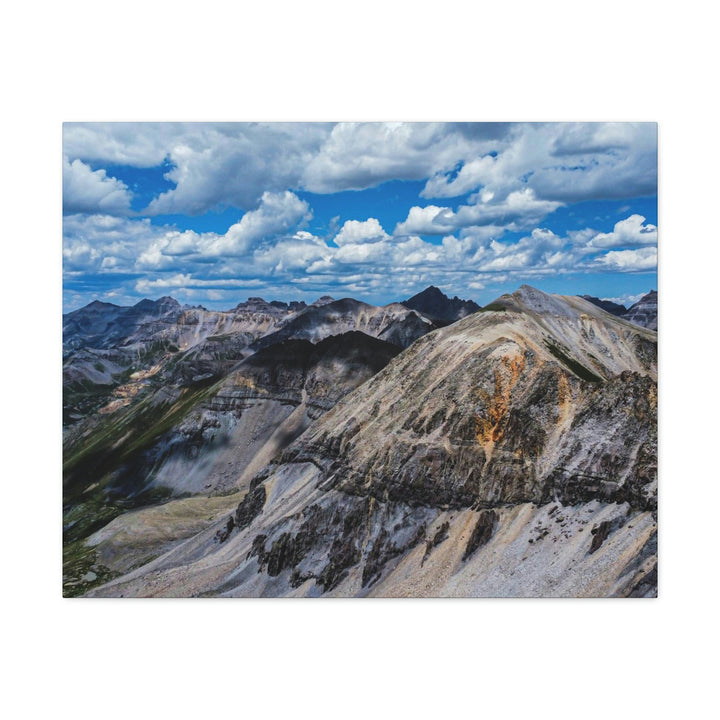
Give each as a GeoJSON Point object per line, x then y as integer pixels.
{"type": "Point", "coordinates": [394, 323]}
{"type": "Point", "coordinates": [643, 312]}
{"type": "Point", "coordinates": [607, 305]}
{"type": "Point", "coordinates": [111, 353]}
{"type": "Point", "coordinates": [109, 349]}
{"type": "Point", "coordinates": [433, 303]}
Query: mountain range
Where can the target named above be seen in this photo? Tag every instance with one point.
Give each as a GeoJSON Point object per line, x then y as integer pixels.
{"type": "Point", "coordinates": [423, 448]}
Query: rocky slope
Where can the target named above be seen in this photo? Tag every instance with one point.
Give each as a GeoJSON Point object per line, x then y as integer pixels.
{"type": "Point", "coordinates": [512, 453]}
{"type": "Point", "coordinates": [206, 438]}
{"type": "Point", "coordinates": [433, 303]}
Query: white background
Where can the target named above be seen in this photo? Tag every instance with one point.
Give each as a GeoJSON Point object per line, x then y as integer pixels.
{"type": "Point", "coordinates": [372, 61]}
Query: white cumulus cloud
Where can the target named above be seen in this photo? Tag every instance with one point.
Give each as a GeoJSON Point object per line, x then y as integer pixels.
{"type": "Point", "coordinates": [277, 214]}
{"type": "Point", "coordinates": [422, 221]}
{"type": "Point", "coordinates": [630, 260]}
{"type": "Point", "coordinates": [92, 191]}
{"type": "Point", "coordinates": [355, 232]}
{"type": "Point", "coordinates": [218, 165]}
{"type": "Point", "coordinates": [631, 232]}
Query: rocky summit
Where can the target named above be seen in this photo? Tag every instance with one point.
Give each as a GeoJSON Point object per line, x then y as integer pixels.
{"type": "Point", "coordinates": [345, 450]}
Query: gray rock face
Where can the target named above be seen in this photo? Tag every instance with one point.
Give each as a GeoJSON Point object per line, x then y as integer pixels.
{"type": "Point", "coordinates": [417, 434]}
{"type": "Point", "coordinates": [512, 453]}
{"type": "Point", "coordinates": [645, 311]}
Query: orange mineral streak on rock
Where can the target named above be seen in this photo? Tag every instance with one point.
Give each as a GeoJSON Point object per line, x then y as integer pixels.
{"type": "Point", "coordinates": [489, 427]}
{"type": "Point", "coordinates": [114, 405]}
{"type": "Point", "coordinates": [565, 403]}
{"type": "Point", "coordinates": [564, 393]}
{"type": "Point", "coordinates": [243, 381]}
{"type": "Point", "coordinates": [653, 396]}
{"type": "Point", "coordinates": [123, 394]}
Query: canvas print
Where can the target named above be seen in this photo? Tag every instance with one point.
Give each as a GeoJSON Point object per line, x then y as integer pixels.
{"type": "Point", "coordinates": [360, 360]}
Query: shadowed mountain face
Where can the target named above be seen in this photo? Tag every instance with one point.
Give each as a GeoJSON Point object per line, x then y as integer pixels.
{"type": "Point", "coordinates": [433, 303]}
{"type": "Point", "coordinates": [512, 453]}
{"type": "Point", "coordinates": [104, 324]}
{"type": "Point", "coordinates": [606, 305]}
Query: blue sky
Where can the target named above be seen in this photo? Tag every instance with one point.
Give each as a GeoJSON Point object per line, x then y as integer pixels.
{"type": "Point", "coordinates": [215, 213]}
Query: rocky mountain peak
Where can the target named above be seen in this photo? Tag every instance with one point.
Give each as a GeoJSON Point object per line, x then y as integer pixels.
{"type": "Point", "coordinates": [99, 305]}
{"type": "Point", "coordinates": [253, 303]}
{"type": "Point", "coordinates": [529, 299]}
{"type": "Point", "coordinates": [433, 303]}
{"type": "Point", "coordinates": [324, 300]}
{"type": "Point", "coordinates": [431, 291]}
{"type": "Point", "coordinates": [156, 307]}
{"type": "Point", "coordinates": [644, 312]}
{"type": "Point", "coordinates": [262, 306]}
